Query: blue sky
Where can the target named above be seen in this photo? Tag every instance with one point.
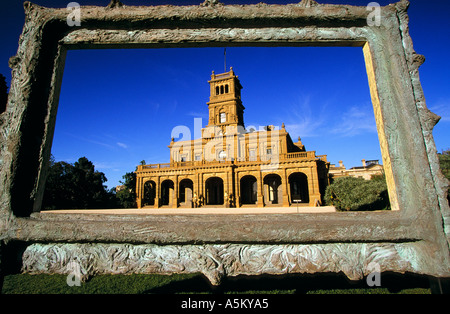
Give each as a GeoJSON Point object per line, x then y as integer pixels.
{"type": "Point", "coordinates": [118, 107]}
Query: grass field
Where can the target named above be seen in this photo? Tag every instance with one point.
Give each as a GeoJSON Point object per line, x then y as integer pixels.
{"type": "Point", "coordinates": [197, 284]}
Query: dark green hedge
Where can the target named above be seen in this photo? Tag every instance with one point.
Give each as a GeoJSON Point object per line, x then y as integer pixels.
{"type": "Point", "coordinates": [356, 194]}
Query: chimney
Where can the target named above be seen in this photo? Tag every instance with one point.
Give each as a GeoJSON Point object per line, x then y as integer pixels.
{"type": "Point", "coordinates": [341, 164]}
{"type": "Point", "coordinates": [364, 162]}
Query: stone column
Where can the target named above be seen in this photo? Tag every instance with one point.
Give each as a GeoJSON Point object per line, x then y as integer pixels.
{"type": "Point", "coordinates": [201, 185]}
{"type": "Point", "coordinates": [226, 188]}
{"type": "Point", "coordinates": [141, 190]}
{"type": "Point", "coordinates": [285, 185]}
{"type": "Point", "coordinates": [175, 193]}
{"type": "Point", "coordinates": [237, 196]}
{"type": "Point", "coordinates": [265, 189]}
{"type": "Point", "coordinates": [170, 198]}
{"type": "Point", "coordinates": [157, 192]}
{"type": "Point", "coordinates": [313, 185]}
{"type": "Point", "coordinates": [138, 192]}
{"type": "Point", "coordinates": [195, 190]}
{"type": "Point", "coordinates": [259, 191]}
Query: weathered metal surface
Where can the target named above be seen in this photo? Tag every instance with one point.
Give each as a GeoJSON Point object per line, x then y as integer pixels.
{"type": "Point", "coordinates": [259, 228]}
{"type": "Point", "coordinates": [215, 261]}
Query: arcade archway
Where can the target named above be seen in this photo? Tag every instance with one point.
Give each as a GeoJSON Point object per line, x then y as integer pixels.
{"type": "Point", "coordinates": [248, 190]}
{"type": "Point", "coordinates": [298, 184]}
{"type": "Point", "coordinates": [186, 191]}
{"type": "Point", "coordinates": [149, 193]}
{"type": "Point", "coordinates": [167, 189]}
{"type": "Point", "coordinates": [214, 191]}
{"type": "Point", "coordinates": [272, 189]}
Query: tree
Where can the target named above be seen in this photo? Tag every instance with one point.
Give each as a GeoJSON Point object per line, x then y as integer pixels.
{"type": "Point", "coordinates": [76, 186]}
{"type": "Point", "coordinates": [59, 191]}
{"type": "Point", "coordinates": [90, 191]}
{"type": "Point", "coordinates": [352, 194]}
{"type": "Point", "coordinates": [444, 161]}
{"type": "Point", "coordinates": [3, 93]}
{"type": "Point", "coordinates": [127, 195]}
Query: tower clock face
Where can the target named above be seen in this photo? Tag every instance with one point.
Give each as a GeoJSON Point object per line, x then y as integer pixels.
{"type": "Point", "coordinates": [222, 155]}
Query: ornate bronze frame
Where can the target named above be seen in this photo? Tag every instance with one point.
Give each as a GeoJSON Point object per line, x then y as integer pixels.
{"type": "Point", "coordinates": [413, 237]}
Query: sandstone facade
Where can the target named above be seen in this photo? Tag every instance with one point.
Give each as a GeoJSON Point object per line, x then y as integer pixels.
{"type": "Point", "coordinates": [230, 166]}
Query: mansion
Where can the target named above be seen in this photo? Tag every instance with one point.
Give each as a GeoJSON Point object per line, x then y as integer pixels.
{"type": "Point", "coordinates": [230, 166]}
{"type": "Point", "coordinates": [368, 170]}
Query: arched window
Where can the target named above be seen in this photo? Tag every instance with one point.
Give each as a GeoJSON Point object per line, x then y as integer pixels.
{"type": "Point", "coordinates": [223, 117]}
{"type": "Point", "coordinates": [221, 89]}
{"type": "Point", "coordinates": [226, 89]}
{"type": "Point", "coordinates": [217, 90]}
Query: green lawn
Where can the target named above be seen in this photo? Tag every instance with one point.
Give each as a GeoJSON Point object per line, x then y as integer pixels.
{"type": "Point", "coordinates": [195, 283]}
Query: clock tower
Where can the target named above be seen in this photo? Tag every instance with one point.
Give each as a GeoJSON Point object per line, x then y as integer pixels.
{"type": "Point", "coordinates": [225, 104]}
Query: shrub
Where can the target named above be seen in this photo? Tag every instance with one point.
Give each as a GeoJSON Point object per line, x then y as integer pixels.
{"type": "Point", "coordinates": [356, 194]}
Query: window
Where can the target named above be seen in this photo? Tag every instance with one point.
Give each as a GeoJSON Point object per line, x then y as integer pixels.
{"type": "Point", "coordinates": [269, 151]}
{"type": "Point", "coordinates": [221, 89]}
{"type": "Point", "coordinates": [198, 157]}
{"type": "Point", "coordinates": [223, 117]}
{"type": "Point", "coordinates": [217, 90]}
{"type": "Point", "coordinates": [183, 158]}
{"type": "Point", "coordinates": [226, 89]}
